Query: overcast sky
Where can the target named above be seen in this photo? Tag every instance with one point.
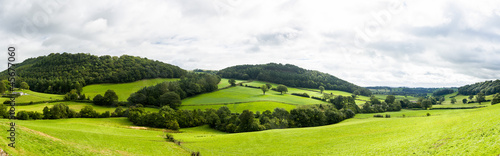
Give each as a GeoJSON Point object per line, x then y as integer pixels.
{"type": "Point", "coordinates": [425, 43]}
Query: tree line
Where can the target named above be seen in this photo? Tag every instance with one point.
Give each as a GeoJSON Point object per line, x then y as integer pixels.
{"type": "Point", "coordinates": [60, 73]}
{"type": "Point", "coordinates": [486, 87]}
{"type": "Point", "coordinates": [291, 75]}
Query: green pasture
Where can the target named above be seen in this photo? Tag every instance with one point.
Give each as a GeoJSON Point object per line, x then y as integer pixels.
{"type": "Point", "coordinates": [33, 96]}
{"type": "Point", "coordinates": [225, 83]}
{"type": "Point", "coordinates": [253, 106]}
{"type": "Point", "coordinates": [246, 94]}
{"type": "Point", "coordinates": [108, 136]}
{"type": "Point", "coordinates": [123, 90]}
{"type": "Point", "coordinates": [445, 132]}
{"type": "Point", "coordinates": [77, 106]}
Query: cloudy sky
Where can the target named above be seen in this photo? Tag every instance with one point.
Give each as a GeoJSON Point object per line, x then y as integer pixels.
{"type": "Point", "coordinates": [425, 43]}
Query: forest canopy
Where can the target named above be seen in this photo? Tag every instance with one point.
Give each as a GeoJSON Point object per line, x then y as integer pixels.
{"type": "Point", "coordinates": [59, 73]}
{"type": "Point", "coordinates": [486, 87]}
{"type": "Point", "coordinates": [292, 76]}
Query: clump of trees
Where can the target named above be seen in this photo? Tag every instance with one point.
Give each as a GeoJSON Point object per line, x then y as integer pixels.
{"type": "Point", "coordinates": [62, 111]}
{"type": "Point", "coordinates": [441, 92]}
{"type": "Point", "coordinates": [496, 99]}
{"type": "Point", "coordinates": [290, 75]}
{"type": "Point", "coordinates": [486, 87]}
{"type": "Point", "coordinates": [110, 98]}
{"type": "Point", "coordinates": [171, 93]}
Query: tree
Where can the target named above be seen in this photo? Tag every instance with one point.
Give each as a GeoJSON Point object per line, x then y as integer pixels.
{"type": "Point", "coordinates": [269, 86]}
{"type": "Point", "coordinates": [390, 99]}
{"type": "Point", "coordinates": [7, 84]}
{"type": "Point", "coordinates": [264, 89]}
{"type": "Point", "coordinates": [464, 101]}
{"type": "Point", "coordinates": [99, 100]}
{"type": "Point", "coordinates": [321, 89]}
{"type": "Point", "coordinates": [88, 112]}
{"type": "Point", "coordinates": [374, 100]}
{"type": "Point", "coordinates": [338, 102]}
{"type": "Point", "coordinates": [246, 121]}
{"type": "Point", "coordinates": [78, 87]}
{"type": "Point", "coordinates": [3, 88]}
{"type": "Point", "coordinates": [480, 97]}
{"type": "Point", "coordinates": [327, 96]}
{"type": "Point", "coordinates": [171, 99]}
{"type": "Point", "coordinates": [232, 82]}
{"type": "Point", "coordinates": [496, 99]}
{"type": "Point", "coordinates": [110, 97]}
{"type": "Point", "coordinates": [426, 104]}
{"type": "Point", "coordinates": [24, 85]}
{"type": "Point", "coordinates": [453, 100]}
{"type": "Point", "coordinates": [72, 95]}
{"type": "Point", "coordinates": [282, 88]}
{"type": "Point", "coordinates": [470, 97]}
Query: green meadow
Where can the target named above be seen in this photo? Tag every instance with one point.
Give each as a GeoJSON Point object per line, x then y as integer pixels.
{"type": "Point", "coordinates": [77, 106]}
{"type": "Point", "coordinates": [109, 136]}
{"type": "Point", "coordinates": [225, 83]}
{"type": "Point", "coordinates": [253, 106]}
{"type": "Point", "coordinates": [445, 132]}
{"type": "Point", "coordinates": [246, 94]}
{"type": "Point", "coordinates": [33, 96]}
{"type": "Point", "coordinates": [123, 90]}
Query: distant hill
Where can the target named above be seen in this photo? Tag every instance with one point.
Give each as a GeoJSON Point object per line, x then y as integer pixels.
{"type": "Point", "coordinates": [487, 87]}
{"type": "Point", "coordinates": [291, 75]}
{"type": "Point", "coordinates": [59, 73]}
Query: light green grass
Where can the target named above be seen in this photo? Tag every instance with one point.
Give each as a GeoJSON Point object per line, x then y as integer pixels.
{"type": "Point", "coordinates": [246, 94]}
{"type": "Point", "coordinates": [456, 132]}
{"type": "Point", "coordinates": [77, 106]}
{"type": "Point", "coordinates": [253, 106]}
{"type": "Point", "coordinates": [35, 97]}
{"type": "Point", "coordinates": [110, 136]}
{"type": "Point", "coordinates": [224, 83]}
{"type": "Point", "coordinates": [123, 90]}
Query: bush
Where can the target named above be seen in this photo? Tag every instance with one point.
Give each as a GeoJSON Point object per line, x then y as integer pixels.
{"type": "Point", "coordinates": [301, 94]}
{"type": "Point", "coordinates": [317, 98]}
{"type": "Point", "coordinates": [387, 116]}
{"type": "Point", "coordinates": [6, 102]}
{"type": "Point", "coordinates": [169, 137]}
{"type": "Point", "coordinates": [378, 116]}
{"type": "Point", "coordinates": [428, 114]}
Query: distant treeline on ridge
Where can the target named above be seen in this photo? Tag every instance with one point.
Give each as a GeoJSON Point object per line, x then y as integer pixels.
{"type": "Point", "coordinates": [292, 76]}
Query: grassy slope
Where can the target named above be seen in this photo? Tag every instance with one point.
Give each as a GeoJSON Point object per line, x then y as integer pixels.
{"type": "Point", "coordinates": [457, 132]}
{"type": "Point", "coordinates": [111, 136]}
{"type": "Point", "coordinates": [245, 94]}
{"type": "Point", "coordinates": [224, 83]}
{"type": "Point", "coordinates": [123, 90]}
{"type": "Point", "coordinates": [253, 106]}
{"type": "Point", "coordinates": [77, 106]}
{"type": "Point", "coordinates": [35, 97]}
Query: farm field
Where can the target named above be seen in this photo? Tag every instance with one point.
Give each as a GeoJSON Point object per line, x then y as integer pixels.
{"type": "Point", "coordinates": [77, 106]}
{"type": "Point", "coordinates": [445, 132]}
{"type": "Point", "coordinates": [253, 106]}
{"type": "Point", "coordinates": [246, 94]}
{"type": "Point", "coordinates": [123, 90]}
{"type": "Point", "coordinates": [33, 96]}
{"type": "Point", "coordinates": [224, 83]}
{"type": "Point", "coordinates": [109, 136]}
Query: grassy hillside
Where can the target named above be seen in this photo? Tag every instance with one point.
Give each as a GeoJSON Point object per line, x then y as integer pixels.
{"type": "Point", "coordinates": [224, 83]}
{"type": "Point", "coordinates": [245, 94]}
{"type": "Point", "coordinates": [253, 106]}
{"type": "Point", "coordinates": [455, 132]}
{"type": "Point", "coordinates": [123, 90]}
{"type": "Point", "coordinates": [110, 136]}
{"type": "Point", "coordinates": [33, 96]}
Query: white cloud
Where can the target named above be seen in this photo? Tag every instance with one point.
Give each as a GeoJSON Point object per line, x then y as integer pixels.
{"type": "Point", "coordinates": [370, 43]}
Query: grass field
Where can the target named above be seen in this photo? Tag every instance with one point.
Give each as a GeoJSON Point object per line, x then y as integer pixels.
{"type": "Point", "coordinates": [224, 83]}
{"type": "Point", "coordinates": [110, 136]}
{"type": "Point", "coordinates": [245, 94]}
{"type": "Point", "coordinates": [445, 132]}
{"type": "Point", "coordinates": [77, 106]}
{"type": "Point", "coordinates": [253, 106]}
{"type": "Point", "coordinates": [123, 90]}
{"type": "Point", "coordinates": [33, 96]}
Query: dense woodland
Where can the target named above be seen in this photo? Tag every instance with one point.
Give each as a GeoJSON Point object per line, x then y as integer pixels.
{"type": "Point", "coordinates": [59, 73]}
{"type": "Point", "coordinates": [486, 87]}
{"type": "Point", "coordinates": [405, 91]}
{"type": "Point", "coordinates": [171, 93]}
{"type": "Point", "coordinates": [291, 75]}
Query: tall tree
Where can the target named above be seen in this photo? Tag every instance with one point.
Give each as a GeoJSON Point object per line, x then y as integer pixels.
{"type": "Point", "coordinates": [232, 82]}
{"type": "Point", "coordinates": [480, 97]}
{"type": "Point", "coordinates": [110, 97]}
{"type": "Point", "coordinates": [390, 99]}
{"type": "Point", "coordinates": [25, 85]}
{"type": "Point", "coordinates": [264, 89]}
{"type": "Point", "coordinates": [282, 88]}
{"type": "Point", "coordinates": [321, 89]}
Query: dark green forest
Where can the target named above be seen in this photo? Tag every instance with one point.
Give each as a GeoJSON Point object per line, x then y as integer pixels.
{"type": "Point", "coordinates": [291, 75]}
{"type": "Point", "coordinates": [59, 73]}
{"type": "Point", "coordinates": [405, 91]}
{"type": "Point", "coordinates": [486, 87]}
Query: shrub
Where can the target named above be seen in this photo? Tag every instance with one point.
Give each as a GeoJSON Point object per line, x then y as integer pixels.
{"type": "Point", "coordinates": [6, 102]}
{"type": "Point", "coordinates": [170, 137]}
{"type": "Point", "coordinates": [428, 114]}
{"type": "Point", "coordinates": [378, 116]}
{"type": "Point", "coordinates": [301, 94]}
{"type": "Point", "coordinates": [387, 116]}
